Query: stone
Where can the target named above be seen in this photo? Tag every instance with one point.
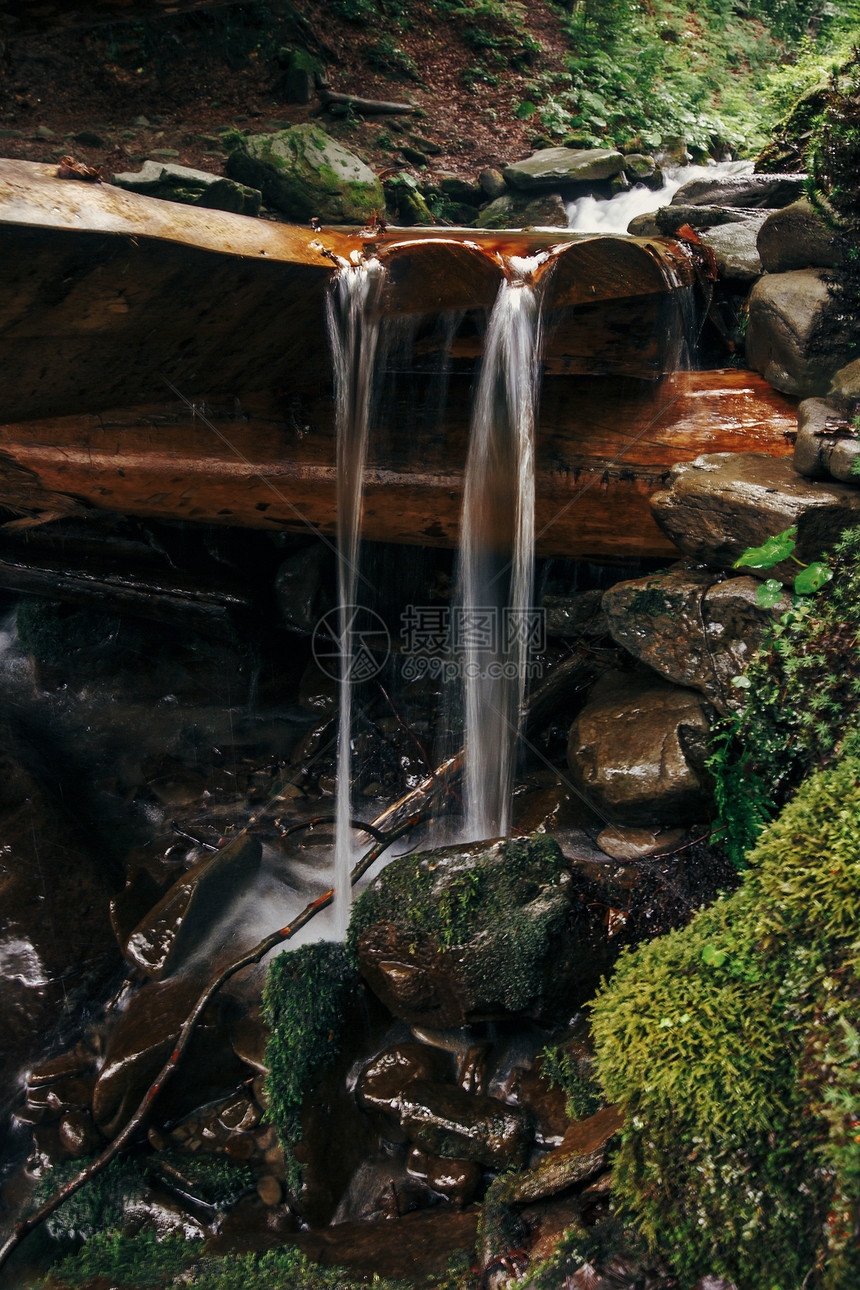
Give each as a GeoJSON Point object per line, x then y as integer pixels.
{"type": "Point", "coordinates": [175, 928]}
{"type": "Point", "coordinates": [456, 1180]}
{"type": "Point", "coordinates": [318, 691]}
{"type": "Point", "coordinates": [140, 1043]}
{"type": "Point", "coordinates": [56, 948]}
{"type": "Point", "coordinates": [691, 627]}
{"type": "Point", "coordinates": [492, 183]}
{"type": "Point", "coordinates": [845, 384]}
{"type": "Point", "coordinates": [784, 309]}
{"type": "Point", "coordinates": [413, 155]}
{"type": "Point", "coordinates": [43, 132]}
{"type": "Point", "coordinates": [90, 139]}
{"type": "Point", "coordinates": [741, 190]}
{"type": "Point", "coordinates": [576, 615]}
{"type": "Point", "coordinates": [303, 172]}
{"type": "Point", "coordinates": [302, 74]}
{"type": "Point", "coordinates": [270, 1190]}
{"type": "Point", "coordinates": [735, 251]}
{"type": "Point", "coordinates": [459, 190]}
{"type": "Point", "coordinates": [670, 218]}
{"type": "Point", "coordinates": [516, 211]}
{"type": "Point", "coordinates": [638, 750]}
{"type": "Point", "coordinates": [796, 237]}
{"type": "Point", "coordinates": [718, 505]}
{"type": "Point", "coordinates": [404, 198]}
{"type": "Point", "coordinates": [638, 167]}
{"type": "Point", "coordinates": [78, 1135]}
{"type": "Point", "coordinates": [551, 168]}
{"type": "Point", "coordinates": [477, 932]}
{"type": "Point", "coordinates": [628, 844]}
{"type": "Point", "coordinates": [445, 1121]}
{"type": "Point", "coordinates": [385, 1082]}
{"type": "Point", "coordinates": [173, 183]}
{"type": "Point", "coordinates": [300, 588]}
{"type": "Point", "coordinates": [827, 446]}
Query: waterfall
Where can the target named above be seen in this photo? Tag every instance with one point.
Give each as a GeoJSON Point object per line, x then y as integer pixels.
{"type": "Point", "coordinates": [497, 551]}
{"type": "Point", "coordinates": [353, 327]}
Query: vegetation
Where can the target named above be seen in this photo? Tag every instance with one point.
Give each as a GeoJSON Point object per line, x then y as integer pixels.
{"type": "Point", "coordinates": [98, 1205]}
{"type": "Point", "coordinates": [566, 1066]}
{"type": "Point", "coordinates": [803, 691]}
{"type": "Point", "coordinates": [304, 1000]}
{"type": "Point", "coordinates": [144, 1261]}
{"type": "Point", "coordinates": [730, 1044]}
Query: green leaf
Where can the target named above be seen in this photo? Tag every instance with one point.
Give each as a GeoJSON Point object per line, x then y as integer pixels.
{"type": "Point", "coordinates": [525, 109]}
{"type": "Point", "coordinates": [769, 593]}
{"type": "Point", "coordinates": [741, 682]}
{"type": "Point", "coordinates": [812, 578]}
{"type": "Point", "coordinates": [713, 957]}
{"type": "Point", "coordinates": [773, 551]}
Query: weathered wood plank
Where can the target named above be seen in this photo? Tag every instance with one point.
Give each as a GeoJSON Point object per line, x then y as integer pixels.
{"type": "Point", "coordinates": [600, 455]}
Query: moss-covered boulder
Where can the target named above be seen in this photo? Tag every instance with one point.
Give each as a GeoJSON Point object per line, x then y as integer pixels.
{"type": "Point", "coordinates": [478, 931]}
{"type": "Point", "coordinates": [304, 172]}
{"type": "Point", "coordinates": [733, 1047]}
{"type": "Point", "coordinates": [172, 183]}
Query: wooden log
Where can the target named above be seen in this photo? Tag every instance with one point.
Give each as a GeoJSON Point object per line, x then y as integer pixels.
{"type": "Point", "coordinates": [600, 455]}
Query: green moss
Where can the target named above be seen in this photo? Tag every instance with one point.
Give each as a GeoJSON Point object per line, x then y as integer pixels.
{"type": "Point", "coordinates": [705, 1038]}
{"type": "Point", "coordinates": [143, 1261]}
{"type": "Point", "coordinates": [214, 1179]}
{"type": "Point", "coordinates": [578, 1245]}
{"type": "Point", "coordinates": [571, 1070]}
{"type": "Point", "coordinates": [304, 1000]}
{"type": "Point", "coordinates": [95, 1207]}
{"type": "Point", "coordinates": [652, 602]}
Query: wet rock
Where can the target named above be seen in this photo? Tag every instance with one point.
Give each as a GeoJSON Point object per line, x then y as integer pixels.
{"type": "Point", "coordinates": [796, 237]}
{"type": "Point", "coordinates": [459, 190]}
{"type": "Point", "coordinates": [140, 893]}
{"type": "Point", "coordinates": [826, 447]}
{"type": "Point", "coordinates": [638, 750]}
{"type": "Point", "coordinates": [318, 692]}
{"type": "Point", "coordinates": [575, 615]}
{"type": "Point", "coordinates": [423, 1244]}
{"type": "Point", "coordinates": [176, 927]}
{"type": "Point", "coordinates": [514, 211]}
{"type": "Point", "coordinates": [550, 168]}
{"type": "Point", "coordinates": [637, 844]}
{"type": "Point", "coordinates": [721, 503]}
{"type": "Point", "coordinates": [690, 627]}
{"type": "Point", "coordinates": [735, 250]}
{"type": "Point", "coordinates": [78, 1135]}
{"type": "Point", "coordinates": [300, 588]}
{"type": "Point", "coordinates": [468, 933]}
{"type": "Point", "coordinates": [249, 1035]}
{"type": "Point", "coordinates": [384, 1085]}
{"type": "Point", "coordinates": [543, 1101]}
{"type": "Point", "coordinates": [669, 219]}
{"type": "Point", "coordinates": [173, 183]}
{"type": "Point", "coordinates": [303, 172]}
{"type": "Point", "coordinates": [447, 1122]}
{"type": "Point", "coordinates": [56, 947]}
{"type": "Point", "coordinates": [456, 1180]}
{"type": "Point", "coordinates": [784, 309]}
{"type": "Point", "coordinates": [141, 1042]}
{"type": "Point", "coordinates": [741, 190]}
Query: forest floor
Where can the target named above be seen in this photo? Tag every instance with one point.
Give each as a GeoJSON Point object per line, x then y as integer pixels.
{"type": "Point", "coordinates": [116, 95]}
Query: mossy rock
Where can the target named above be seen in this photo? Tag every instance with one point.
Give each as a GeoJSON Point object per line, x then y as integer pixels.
{"type": "Point", "coordinates": [304, 172]}
{"type": "Point", "coordinates": [733, 1048]}
{"type": "Point", "coordinates": [478, 931]}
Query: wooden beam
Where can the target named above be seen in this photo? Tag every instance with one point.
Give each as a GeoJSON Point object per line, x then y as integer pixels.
{"type": "Point", "coordinates": [603, 448]}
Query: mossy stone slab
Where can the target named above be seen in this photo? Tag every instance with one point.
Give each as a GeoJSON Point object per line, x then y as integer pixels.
{"type": "Point", "coordinates": [303, 172]}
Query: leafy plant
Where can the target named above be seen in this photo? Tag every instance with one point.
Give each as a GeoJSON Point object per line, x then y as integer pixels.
{"type": "Point", "coordinates": [803, 693]}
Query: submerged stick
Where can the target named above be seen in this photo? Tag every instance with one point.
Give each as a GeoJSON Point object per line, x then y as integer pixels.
{"type": "Point", "coordinates": [398, 819]}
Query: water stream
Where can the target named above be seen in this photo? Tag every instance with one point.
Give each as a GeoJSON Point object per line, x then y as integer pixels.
{"type": "Point", "coordinates": [497, 550]}
{"type": "Point", "coordinates": [613, 214]}
{"type": "Point", "coordinates": [353, 326]}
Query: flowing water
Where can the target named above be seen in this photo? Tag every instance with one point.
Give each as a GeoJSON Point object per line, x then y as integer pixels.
{"type": "Point", "coordinates": [497, 550]}
{"type": "Point", "coordinates": [353, 325]}
{"type": "Point", "coordinates": [613, 214]}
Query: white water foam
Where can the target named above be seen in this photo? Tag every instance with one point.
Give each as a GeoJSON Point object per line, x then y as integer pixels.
{"type": "Point", "coordinates": [613, 214]}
